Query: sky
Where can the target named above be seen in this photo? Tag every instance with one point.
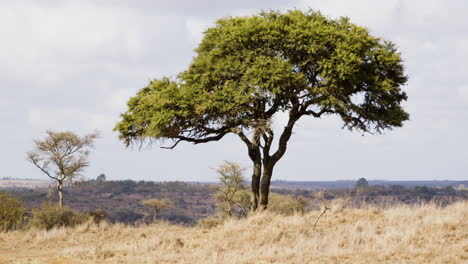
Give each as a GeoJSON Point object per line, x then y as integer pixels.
{"type": "Point", "coordinates": [72, 65]}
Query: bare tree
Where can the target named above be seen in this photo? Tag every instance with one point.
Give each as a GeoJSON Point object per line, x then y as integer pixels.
{"type": "Point", "coordinates": [62, 156]}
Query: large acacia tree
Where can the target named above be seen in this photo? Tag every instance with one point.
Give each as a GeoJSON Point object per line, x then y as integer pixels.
{"type": "Point", "coordinates": [247, 69]}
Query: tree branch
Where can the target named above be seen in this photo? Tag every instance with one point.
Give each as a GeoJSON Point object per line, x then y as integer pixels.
{"type": "Point", "coordinates": [315, 114]}
{"type": "Point", "coordinates": [197, 140]}
{"type": "Point", "coordinates": [244, 138]}
{"type": "Point", "coordinates": [44, 170]}
{"type": "Point", "coordinates": [286, 135]}
{"type": "Point", "coordinates": [268, 140]}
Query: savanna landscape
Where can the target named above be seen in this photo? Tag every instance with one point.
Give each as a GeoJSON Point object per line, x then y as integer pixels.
{"type": "Point", "coordinates": [401, 234]}
{"type": "Point", "coordinates": [323, 152]}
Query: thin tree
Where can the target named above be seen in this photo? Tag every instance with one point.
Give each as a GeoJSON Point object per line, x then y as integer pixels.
{"type": "Point", "coordinates": [248, 69]}
{"type": "Point", "coordinates": [62, 156]}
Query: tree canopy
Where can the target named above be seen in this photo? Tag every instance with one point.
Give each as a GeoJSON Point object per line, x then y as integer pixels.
{"type": "Point", "coordinates": [247, 69]}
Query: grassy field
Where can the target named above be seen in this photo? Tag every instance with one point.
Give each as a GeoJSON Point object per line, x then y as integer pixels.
{"type": "Point", "coordinates": [400, 234]}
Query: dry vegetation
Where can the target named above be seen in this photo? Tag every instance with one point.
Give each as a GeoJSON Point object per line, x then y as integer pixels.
{"type": "Point", "coordinates": [401, 234]}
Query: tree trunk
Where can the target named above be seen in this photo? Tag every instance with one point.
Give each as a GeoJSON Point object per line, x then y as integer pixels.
{"type": "Point", "coordinates": [265, 185]}
{"type": "Point", "coordinates": [256, 157]}
{"type": "Point", "coordinates": [255, 185]}
{"type": "Point", "coordinates": [60, 188]}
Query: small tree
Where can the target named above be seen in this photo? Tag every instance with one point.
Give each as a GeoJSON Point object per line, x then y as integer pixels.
{"type": "Point", "coordinates": [157, 205]}
{"type": "Point", "coordinates": [101, 178]}
{"type": "Point", "coordinates": [232, 194]}
{"type": "Point", "coordinates": [361, 186]}
{"type": "Point", "coordinates": [62, 156]}
{"type": "Point", "coordinates": [362, 183]}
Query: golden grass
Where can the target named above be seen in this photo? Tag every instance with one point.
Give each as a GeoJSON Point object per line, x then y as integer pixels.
{"type": "Point", "coordinates": [401, 234]}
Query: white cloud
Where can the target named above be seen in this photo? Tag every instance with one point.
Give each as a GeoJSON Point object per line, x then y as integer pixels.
{"type": "Point", "coordinates": [429, 46]}
{"type": "Point", "coordinates": [195, 28]}
{"type": "Point", "coordinates": [377, 15]}
{"type": "Point", "coordinates": [74, 119]}
{"type": "Point", "coordinates": [119, 99]}
{"type": "Point", "coordinates": [463, 93]}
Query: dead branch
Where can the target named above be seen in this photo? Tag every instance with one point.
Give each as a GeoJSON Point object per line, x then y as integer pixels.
{"type": "Point", "coordinates": [325, 207]}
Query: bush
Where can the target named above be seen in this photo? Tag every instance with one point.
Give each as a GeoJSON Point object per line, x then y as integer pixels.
{"type": "Point", "coordinates": [12, 212]}
{"type": "Point", "coordinates": [280, 204]}
{"type": "Point", "coordinates": [50, 216]}
{"type": "Point", "coordinates": [98, 216]}
{"type": "Point", "coordinates": [287, 205]}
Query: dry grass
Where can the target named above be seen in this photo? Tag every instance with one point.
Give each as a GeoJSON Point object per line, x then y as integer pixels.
{"type": "Point", "coordinates": [402, 234]}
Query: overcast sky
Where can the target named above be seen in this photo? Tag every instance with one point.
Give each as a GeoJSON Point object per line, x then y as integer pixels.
{"type": "Point", "coordinates": [72, 65]}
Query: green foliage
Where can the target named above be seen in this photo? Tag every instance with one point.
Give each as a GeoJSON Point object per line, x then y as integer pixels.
{"type": "Point", "coordinates": [248, 68]}
{"type": "Point", "coordinates": [231, 195]}
{"type": "Point", "coordinates": [12, 213]}
{"type": "Point", "coordinates": [52, 216]}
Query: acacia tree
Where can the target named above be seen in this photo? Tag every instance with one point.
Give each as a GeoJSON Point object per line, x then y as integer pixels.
{"type": "Point", "coordinates": [157, 205]}
{"type": "Point", "coordinates": [62, 156]}
{"type": "Point", "coordinates": [248, 69]}
{"type": "Point", "coordinates": [231, 194]}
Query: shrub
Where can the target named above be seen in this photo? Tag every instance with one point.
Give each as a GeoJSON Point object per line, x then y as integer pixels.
{"type": "Point", "coordinates": [98, 216]}
{"type": "Point", "coordinates": [300, 204]}
{"type": "Point", "coordinates": [280, 204]}
{"type": "Point", "coordinates": [12, 212]}
{"type": "Point", "coordinates": [50, 216]}
{"type": "Point", "coordinates": [287, 205]}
